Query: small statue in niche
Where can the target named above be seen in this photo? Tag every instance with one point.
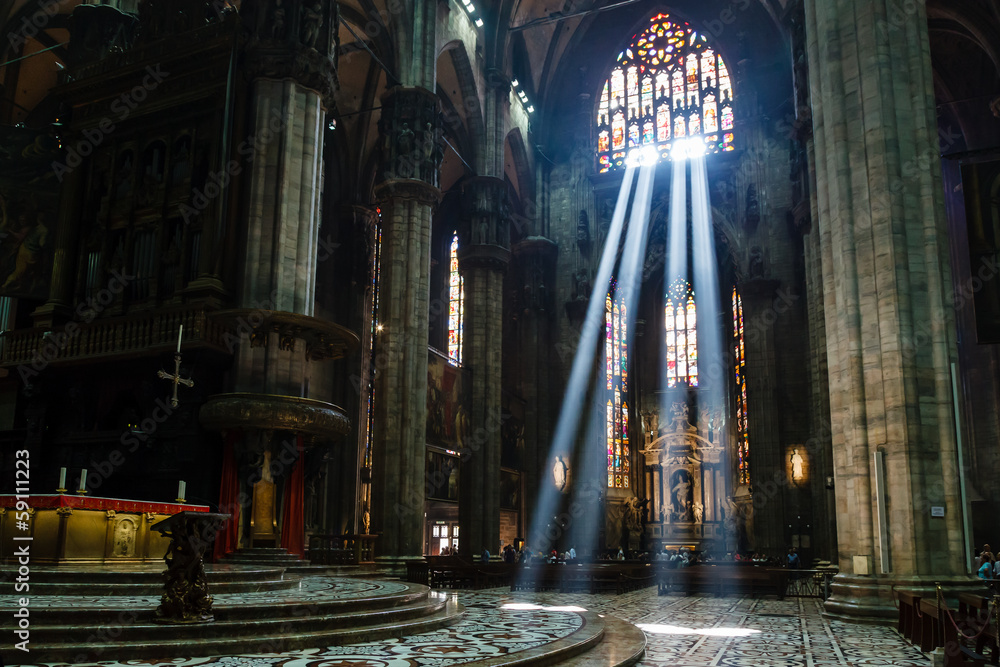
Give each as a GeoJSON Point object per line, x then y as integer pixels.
{"type": "Point", "coordinates": [756, 266]}
{"type": "Point", "coordinates": [278, 20]}
{"type": "Point", "coordinates": [699, 512]}
{"type": "Point", "coordinates": [583, 230]}
{"type": "Point", "coordinates": [404, 142]}
{"type": "Point", "coordinates": [312, 21]}
{"type": "Point", "coordinates": [581, 286]}
{"type": "Point", "coordinates": [753, 208]}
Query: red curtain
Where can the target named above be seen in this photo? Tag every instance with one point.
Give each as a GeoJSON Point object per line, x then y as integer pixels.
{"type": "Point", "coordinates": [293, 530]}
{"type": "Point", "coordinates": [227, 539]}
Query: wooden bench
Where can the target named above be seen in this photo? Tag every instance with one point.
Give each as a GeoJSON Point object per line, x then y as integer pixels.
{"type": "Point", "coordinates": [722, 580]}
{"type": "Point", "coordinates": [974, 612]}
{"type": "Point", "coordinates": [909, 622]}
{"type": "Point", "coordinates": [588, 578]}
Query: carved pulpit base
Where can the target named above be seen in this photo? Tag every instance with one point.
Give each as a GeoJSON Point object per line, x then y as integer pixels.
{"type": "Point", "coordinates": [185, 598]}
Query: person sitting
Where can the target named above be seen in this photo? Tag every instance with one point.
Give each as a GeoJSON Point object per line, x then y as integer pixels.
{"type": "Point", "coordinates": [446, 551]}
{"type": "Point", "coordinates": [621, 554]}
{"type": "Point", "coordinates": [486, 555]}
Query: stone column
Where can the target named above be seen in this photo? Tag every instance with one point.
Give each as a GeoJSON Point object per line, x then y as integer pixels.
{"type": "Point", "coordinates": [763, 417]}
{"type": "Point", "coordinates": [534, 269]}
{"type": "Point", "coordinates": [290, 60]}
{"type": "Point", "coordinates": [483, 256]}
{"type": "Point", "coordinates": [889, 321]}
{"type": "Point", "coordinates": [407, 194]}
{"type": "Point", "coordinates": [59, 306]}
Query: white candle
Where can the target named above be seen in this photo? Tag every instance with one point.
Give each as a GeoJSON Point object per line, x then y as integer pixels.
{"type": "Point", "coordinates": [181, 488]}
{"type": "Point", "coordinates": [83, 480]}
{"type": "Point", "coordinates": [180, 334]}
{"type": "Point", "coordinates": [62, 478]}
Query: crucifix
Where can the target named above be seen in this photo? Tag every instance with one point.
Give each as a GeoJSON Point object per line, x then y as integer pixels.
{"type": "Point", "coordinates": [176, 376]}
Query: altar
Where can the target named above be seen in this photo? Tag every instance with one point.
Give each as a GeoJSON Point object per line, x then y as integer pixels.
{"type": "Point", "coordinates": [84, 529]}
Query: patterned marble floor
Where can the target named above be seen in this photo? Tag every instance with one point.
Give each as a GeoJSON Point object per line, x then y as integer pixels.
{"type": "Point", "coordinates": [680, 631]}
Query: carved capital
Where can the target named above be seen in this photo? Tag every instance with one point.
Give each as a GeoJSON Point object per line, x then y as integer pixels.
{"type": "Point", "coordinates": [109, 514]}
{"type": "Point", "coordinates": [411, 138]}
{"type": "Point", "coordinates": [295, 39]}
{"type": "Point", "coordinates": [64, 511]}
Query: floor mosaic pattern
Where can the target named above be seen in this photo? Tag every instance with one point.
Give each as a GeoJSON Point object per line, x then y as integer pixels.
{"type": "Point", "coordinates": [681, 632]}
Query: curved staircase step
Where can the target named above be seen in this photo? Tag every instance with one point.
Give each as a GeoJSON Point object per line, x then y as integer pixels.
{"type": "Point", "coordinates": [277, 641]}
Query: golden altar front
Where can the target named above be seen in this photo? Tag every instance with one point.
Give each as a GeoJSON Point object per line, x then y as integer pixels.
{"type": "Point", "coordinates": [83, 529]}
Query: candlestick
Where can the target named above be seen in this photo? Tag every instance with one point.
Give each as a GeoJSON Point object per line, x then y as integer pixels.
{"type": "Point", "coordinates": [181, 488]}
{"type": "Point", "coordinates": [83, 482]}
{"type": "Point", "coordinates": [180, 335]}
{"type": "Point", "coordinates": [62, 481]}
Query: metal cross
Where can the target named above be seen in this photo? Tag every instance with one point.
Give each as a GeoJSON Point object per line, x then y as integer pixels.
{"type": "Point", "coordinates": [175, 378]}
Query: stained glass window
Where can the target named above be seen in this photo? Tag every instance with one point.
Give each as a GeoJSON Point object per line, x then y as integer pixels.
{"type": "Point", "coordinates": [456, 305]}
{"type": "Point", "coordinates": [616, 370]}
{"type": "Point", "coordinates": [376, 268]}
{"type": "Point", "coordinates": [666, 85]}
{"type": "Point", "coordinates": [742, 432]}
{"type": "Point", "coordinates": [682, 335]}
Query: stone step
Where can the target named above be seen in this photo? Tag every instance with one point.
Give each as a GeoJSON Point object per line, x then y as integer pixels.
{"type": "Point", "coordinates": [242, 639]}
{"type": "Point", "coordinates": [622, 645]}
{"type": "Point", "coordinates": [143, 627]}
{"type": "Point", "coordinates": [148, 580]}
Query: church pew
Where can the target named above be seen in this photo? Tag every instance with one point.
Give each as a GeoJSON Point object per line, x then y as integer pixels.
{"type": "Point", "coordinates": [974, 611]}
{"type": "Point", "coordinates": [937, 630]}
{"type": "Point", "coordinates": [722, 580]}
{"type": "Point", "coordinates": [909, 623]}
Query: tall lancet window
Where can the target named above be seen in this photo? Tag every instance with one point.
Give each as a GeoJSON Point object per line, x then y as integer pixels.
{"type": "Point", "coordinates": [456, 306]}
{"type": "Point", "coordinates": [616, 370]}
{"type": "Point", "coordinates": [742, 432]}
{"type": "Point", "coordinates": [682, 335]}
{"type": "Point", "coordinates": [668, 84]}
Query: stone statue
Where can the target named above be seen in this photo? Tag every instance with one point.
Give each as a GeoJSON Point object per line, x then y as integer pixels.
{"type": "Point", "coordinates": [278, 20]}
{"type": "Point", "coordinates": [681, 421]}
{"type": "Point", "coordinates": [796, 461]}
{"type": "Point", "coordinates": [583, 230]}
{"type": "Point", "coordinates": [651, 425]}
{"type": "Point", "coordinates": [312, 21]}
{"type": "Point", "coordinates": [581, 286]}
{"type": "Point", "coordinates": [699, 512]}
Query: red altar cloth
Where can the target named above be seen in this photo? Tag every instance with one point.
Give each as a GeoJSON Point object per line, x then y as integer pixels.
{"type": "Point", "coordinates": [93, 503]}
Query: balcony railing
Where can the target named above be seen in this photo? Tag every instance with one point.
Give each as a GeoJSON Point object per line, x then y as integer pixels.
{"type": "Point", "coordinates": [113, 337]}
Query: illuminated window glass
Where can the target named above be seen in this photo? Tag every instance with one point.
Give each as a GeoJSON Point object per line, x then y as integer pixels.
{"type": "Point", "coordinates": [667, 84]}
{"type": "Point", "coordinates": [682, 335]}
{"type": "Point", "coordinates": [456, 305]}
{"type": "Point", "coordinates": [742, 432]}
{"type": "Point", "coordinates": [616, 371]}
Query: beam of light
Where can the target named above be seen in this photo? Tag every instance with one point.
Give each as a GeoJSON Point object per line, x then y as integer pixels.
{"type": "Point", "coordinates": [713, 368]}
{"type": "Point", "coordinates": [675, 268]}
{"type": "Point", "coordinates": [593, 460]}
{"type": "Point", "coordinates": [543, 531]}
{"type": "Point", "coordinates": [688, 149]}
{"type": "Point", "coordinates": [647, 156]}
{"type": "Point", "coordinates": [656, 629]}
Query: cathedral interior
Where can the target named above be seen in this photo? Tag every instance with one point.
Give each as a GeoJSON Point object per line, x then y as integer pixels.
{"type": "Point", "coordinates": [417, 277]}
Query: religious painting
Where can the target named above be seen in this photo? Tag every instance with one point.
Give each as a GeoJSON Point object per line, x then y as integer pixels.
{"type": "Point", "coordinates": [510, 490]}
{"type": "Point", "coordinates": [981, 184]}
{"type": "Point", "coordinates": [31, 168]}
{"type": "Point", "coordinates": [442, 473]}
{"type": "Point", "coordinates": [447, 412]}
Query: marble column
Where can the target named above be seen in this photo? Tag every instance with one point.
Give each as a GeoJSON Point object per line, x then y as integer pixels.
{"type": "Point", "coordinates": [406, 194]}
{"type": "Point", "coordinates": [534, 260]}
{"type": "Point", "coordinates": [291, 64]}
{"type": "Point", "coordinates": [483, 256]}
{"type": "Point", "coordinates": [890, 331]}
{"type": "Point", "coordinates": [763, 418]}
